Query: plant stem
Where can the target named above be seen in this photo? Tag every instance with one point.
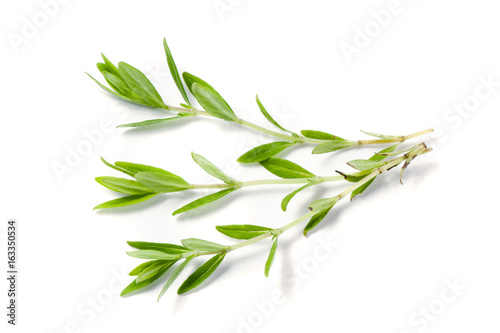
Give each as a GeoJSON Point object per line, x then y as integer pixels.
{"type": "Point", "coordinates": [300, 138]}
{"type": "Point", "coordinates": [316, 180]}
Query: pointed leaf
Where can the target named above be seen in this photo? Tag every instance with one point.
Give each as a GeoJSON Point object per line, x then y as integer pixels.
{"type": "Point", "coordinates": [117, 167]}
{"type": "Point", "coordinates": [315, 220]}
{"type": "Point", "coordinates": [318, 135]}
{"type": "Point", "coordinates": [269, 118]}
{"type": "Point", "coordinates": [270, 258]}
{"type": "Point", "coordinates": [119, 85]}
{"type": "Point", "coordinates": [139, 269]}
{"type": "Point", "coordinates": [152, 122]}
{"type": "Point", "coordinates": [212, 170]}
{"type": "Point", "coordinates": [381, 136]}
{"type": "Point", "coordinates": [190, 79]}
{"type": "Point", "coordinates": [203, 201]}
{"type": "Point", "coordinates": [125, 201]}
{"type": "Point", "coordinates": [109, 66]}
{"type": "Point", "coordinates": [161, 182]}
{"type": "Point", "coordinates": [138, 285]}
{"type": "Point", "coordinates": [377, 157]}
{"type": "Point", "coordinates": [212, 102]}
{"type": "Point", "coordinates": [123, 185]}
{"type": "Point", "coordinates": [174, 72]}
{"type": "Point", "coordinates": [285, 168]}
{"type": "Point", "coordinates": [201, 274]}
{"type": "Point", "coordinates": [323, 204]}
{"type": "Point", "coordinates": [140, 85]}
{"type": "Point", "coordinates": [264, 151]}
{"type": "Point", "coordinates": [364, 164]}
{"type": "Point", "coordinates": [153, 254]}
{"type": "Point", "coordinates": [286, 200]}
{"type": "Point", "coordinates": [150, 271]}
{"type": "Point", "coordinates": [197, 244]}
{"type": "Point", "coordinates": [174, 276]}
{"type": "Point", "coordinates": [120, 96]}
{"type": "Point", "coordinates": [362, 188]}
{"type": "Point", "coordinates": [242, 231]}
{"type": "Point", "coordinates": [164, 247]}
{"type": "Point", "coordinates": [135, 168]}
{"type": "Point", "coordinates": [354, 177]}
{"type": "Point", "coordinates": [333, 145]}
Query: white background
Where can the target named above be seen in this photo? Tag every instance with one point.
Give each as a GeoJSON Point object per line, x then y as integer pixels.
{"type": "Point", "coordinates": [399, 247]}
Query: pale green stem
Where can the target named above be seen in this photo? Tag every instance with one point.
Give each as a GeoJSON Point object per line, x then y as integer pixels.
{"type": "Point", "coordinates": [315, 180]}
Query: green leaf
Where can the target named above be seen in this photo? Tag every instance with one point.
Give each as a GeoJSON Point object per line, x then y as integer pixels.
{"type": "Point", "coordinates": [161, 182]}
{"type": "Point", "coordinates": [212, 170]}
{"type": "Point", "coordinates": [125, 201]}
{"type": "Point", "coordinates": [323, 204]}
{"type": "Point", "coordinates": [354, 177]}
{"type": "Point", "coordinates": [285, 168]}
{"type": "Point", "coordinates": [138, 285]}
{"type": "Point", "coordinates": [174, 72]}
{"type": "Point", "coordinates": [318, 135]}
{"type": "Point", "coordinates": [203, 201]}
{"type": "Point", "coordinates": [270, 258]}
{"type": "Point", "coordinates": [175, 275]}
{"type": "Point", "coordinates": [135, 168]}
{"type": "Point", "coordinates": [120, 96]}
{"type": "Point", "coordinates": [123, 185]}
{"type": "Point", "coordinates": [197, 244]}
{"type": "Point", "coordinates": [119, 85]}
{"type": "Point", "coordinates": [264, 151]}
{"type": "Point", "coordinates": [364, 164]}
{"type": "Point", "coordinates": [315, 220]}
{"type": "Point", "coordinates": [153, 254]}
{"type": "Point", "coordinates": [152, 122]}
{"type": "Point", "coordinates": [140, 85]}
{"type": "Point", "coordinates": [117, 167]}
{"type": "Point", "coordinates": [268, 116]}
{"type": "Point", "coordinates": [212, 102]}
{"type": "Point", "coordinates": [139, 269]}
{"type": "Point", "coordinates": [381, 136]}
{"type": "Point", "coordinates": [362, 188]}
{"type": "Point", "coordinates": [377, 158]}
{"type": "Point", "coordinates": [286, 200]}
{"type": "Point", "coordinates": [164, 247]}
{"type": "Point", "coordinates": [333, 145]}
{"type": "Point", "coordinates": [242, 231]}
{"type": "Point", "coordinates": [109, 66]}
{"type": "Point", "coordinates": [150, 271]}
{"type": "Point", "coordinates": [190, 79]}
{"type": "Point", "coordinates": [201, 274]}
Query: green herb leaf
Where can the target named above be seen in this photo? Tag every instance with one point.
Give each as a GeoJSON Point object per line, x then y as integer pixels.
{"type": "Point", "coordinates": [139, 269]}
{"type": "Point", "coordinates": [174, 276]}
{"type": "Point", "coordinates": [286, 200]}
{"type": "Point", "coordinates": [203, 201]}
{"type": "Point", "coordinates": [138, 285]}
{"type": "Point", "coordinates": [364, 164]}
{"type": "Point", "coordinates": [381, 136]}
{"type": "Point", "coordinates": [174, 72]}
{"type": "Point", "coordinates": [150, 271]}
{"type": "Point", "coordinates": [109, 66]}
{"type": "Point", "coordinates": [119, 85]}
{"type": "Point", "coordinates": [377, 157]}
{"type": "Point", "coordinates": [153, 254]}
{"type": "Point", "coordinates": [354, 177]}
{"type": "Point", "coordinates": [125, 201]}
{"type": "Point", "coordinates": [264, 151]}
{"type": "Point", "coordinates": [212, 170]}
{"type": "Point", "coordinates": [315, 220]}
{"type": "Point", "coordinates": [164, 247]}
{"type": "Point", "coordinates": [268, 117]}
{"type": "Point", "coordinates": [285, 168]}
{"type": "Point", "coordinates": [323, 204]}
{"type": "Point", "coordinates": [140, 85]}
{"type": "Point", "coordinates": [152, 122]}
{"type": "Point", "coordinates": [201, 274]}
{"type": "Point", "coordinates": [318, 135]}
{"type": "Point", "coordinates": [190, 79]}
{"type": "Point", "coordinates": [270, 258]}
{"type": "Point", "coordinates": [119, 95]}
{"type": "Point", "coordinates": [212, 102]}
{"type": "Point", "coordinates": [197, 244]}
{"type": "Point", "coordinates": [123, 185]}
{"type": "Point", "coordinates": [362, 188]}
{"type": "Point", "coordinates": [242, 231]}
{"type": "Point", "coordinates": [333, 145]}
{"type": "Point", "coordinates": [135, 168]}
{"type": "Point", "coordinates": [117, 168]}
{"type": "Point", "coordinates": [161, 182]}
